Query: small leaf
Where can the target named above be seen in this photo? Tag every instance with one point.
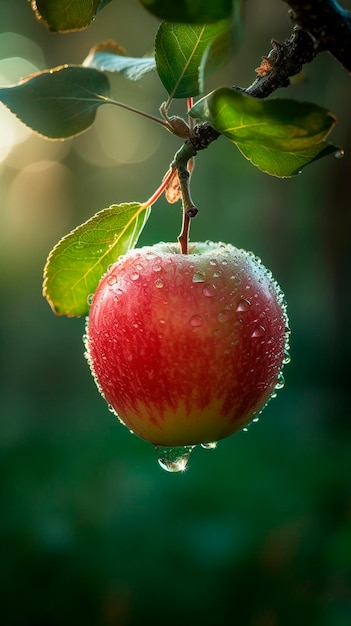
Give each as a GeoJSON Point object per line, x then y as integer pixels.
{"type": "Point", "coordinates": [185, 54]}
{"type": "Point", "coordinates": [111, 57]}
{"type": "Point", "coordinates": [279, 136]}
{"type": "Point", "coordinates": [190, 11]}
{"type": "Point", "coordinates": [66, 16]}
{"type": "Point", "coordinates": [60, 102]}
{"type": "Point", "coordinates": [76, 264]}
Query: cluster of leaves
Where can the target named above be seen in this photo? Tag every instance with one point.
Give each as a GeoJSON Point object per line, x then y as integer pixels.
{"type": "Point", "coordinates": [279, 136]}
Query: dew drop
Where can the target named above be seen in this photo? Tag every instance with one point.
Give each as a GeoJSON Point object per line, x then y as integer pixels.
{"type": "Point", "coordinates": [139, 267]}
{"type": "Point", "coordinates": [209, 290]}
{"type": "Point", "coordinates": [112, 279]}
{"type": "Point", "coordinates": [199, 277]}
{"type": "Point", "coordinates": [280, 382]}
{"type": "Point", "coordinates": [339, 154]}
{"type": "Point", "coordinates": [158, 284]}
{"type": "Point", "coordinates": [258, 331]}
{"type": "Point", "coordinates": [173, 459]}
{"type": "Point", "coordinates": [209, 446]}
{"type": "Point", "coordinates": [287, 357]}
{"type": "Point", "coordinates": [243, 306]}
{"type": "Point", "coordinates": [196, 320]}
{"type": "Point", "coordinates": [90, 299]}
{"type": "Point", "coordinates": [156, 268]}
{"type": "Point", "coordinates": [134, 276]}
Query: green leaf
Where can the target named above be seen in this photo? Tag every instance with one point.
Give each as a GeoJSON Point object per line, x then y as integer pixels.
{"type": "Point", "coordinates": [67, 15]}
{"type": "Point", "coordinates": [185, 54]}
{"type": "Point", "coordinates": [279, 136]}
{"type": "Point", "coordinates": [111, 57]}
{"type": "Point", "coordinates": [190, 11]}
{"type": "Point", "coordinates": [76, 264]}
{"type": "Point", "coordinates": [60, 102]}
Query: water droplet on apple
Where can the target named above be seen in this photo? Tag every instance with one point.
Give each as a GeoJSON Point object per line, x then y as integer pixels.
{"type": "Point", "coordinates": [173, 459]}
{"type": "Point", "coordinates": [199, 277]}
{"type": "Point", "coordinates": [258, 331]}
{"type": "Point", "coordinates": [243, 306]}
{"type": "Point", "coordinates": [287, 357]}
{"type": "Point", "coordinates": [196, 320]}
{"type": "Point", "coordinates": [210, 445]}
{"type": "Point", "coordinates": [156, 268]}
{"type": "Point", "coordinates": [280, 382]}
{"type": "Point", "coordinates": [111, 279]}
{"type": "Point", "coordinates": [209, 290]}
{"type": "Point", "coordinates": [158, 284]}
{"type": "Point", "coordinates": [134, 276]}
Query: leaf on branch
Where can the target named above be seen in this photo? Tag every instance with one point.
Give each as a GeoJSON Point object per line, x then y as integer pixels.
{"type": "Point", "coordinates": [67, 16]}
{"type": "Point", "coordinates": [111, 57]}
{"type": "Point", "coordinates": [190, 11]}
{"type": "Point", "coordinates": [76, 264]}
{"type": "Point", "coordinates": [279, 136]}
{"type": "Point", "coordinates": [185, 54]}
{"type": "Point", "coordinates": [60, 102]}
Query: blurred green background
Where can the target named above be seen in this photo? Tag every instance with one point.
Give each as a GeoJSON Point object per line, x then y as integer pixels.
{"type": "Point", "coordinates": [256, 533]}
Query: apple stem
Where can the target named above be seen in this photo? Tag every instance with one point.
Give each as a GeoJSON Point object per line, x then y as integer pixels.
{"type": "Point", "coordinates": [183, 162]}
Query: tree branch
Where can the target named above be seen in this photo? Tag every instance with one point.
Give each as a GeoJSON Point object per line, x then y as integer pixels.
{"type": "Point", "coordinates": [328, 23]}
{"type": "Point", "coordinates": [320, 25]}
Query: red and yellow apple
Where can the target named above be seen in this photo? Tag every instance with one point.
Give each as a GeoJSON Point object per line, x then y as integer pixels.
{"type": "Point", "coordinates": [187, 348]}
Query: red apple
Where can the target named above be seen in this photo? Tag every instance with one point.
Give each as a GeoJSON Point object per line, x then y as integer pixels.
{"type": "Point", "coordinates": [187, 349]}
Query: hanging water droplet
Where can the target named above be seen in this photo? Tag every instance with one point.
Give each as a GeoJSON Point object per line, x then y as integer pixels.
{"type": "Point", "coordinates": [339, 154]}
{"type": "Point", "coordinates": [158, 284]}
{"type": "Point", "coordinates": [287, 357]}
{"type": "Point", "coordinates": [209, 290]}
{"type": "Point", "coordinates": [243, 305]}
{"type": "Point", "coordinates": [209, 446]}
{"type": "Point", "coordinates": [175, 458]}
{"type": "Point", "coordinates": [258, 331]}
{"type": "Point", "coordinates": [280, 382]}
{"type": "Point", "coordinates": [199, 277]}
{"type": "Point", "coordinates": [196, 320]}
{"type": "Point", "coordinates": [90, 299]}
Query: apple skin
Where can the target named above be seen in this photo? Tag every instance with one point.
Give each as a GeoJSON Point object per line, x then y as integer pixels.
{"type": "Point", "coordinates": [187, 349]}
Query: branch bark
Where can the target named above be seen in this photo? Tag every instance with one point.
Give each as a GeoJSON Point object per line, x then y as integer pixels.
{"type": "Point", "coordinates": [320, 25]}
{"type": "Point", "coordinates": [328, 23]}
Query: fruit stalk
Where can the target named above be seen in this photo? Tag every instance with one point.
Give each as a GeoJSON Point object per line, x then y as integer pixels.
{"type": "Point", "coordinates": [181, 160]}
